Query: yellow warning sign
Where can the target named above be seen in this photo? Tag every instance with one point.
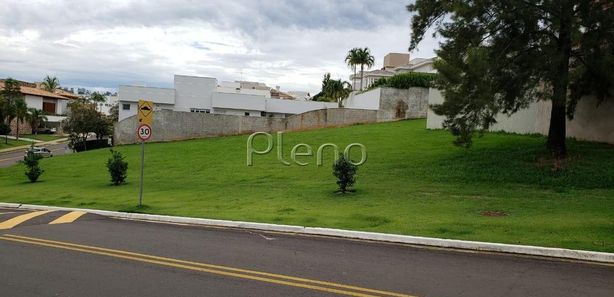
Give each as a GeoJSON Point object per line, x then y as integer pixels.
{"type": "Point", "coordinates": [145, 113]}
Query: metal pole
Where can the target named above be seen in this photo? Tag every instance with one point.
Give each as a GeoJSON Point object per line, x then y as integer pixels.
{"type": "Point", "coordinates": [142, 165]}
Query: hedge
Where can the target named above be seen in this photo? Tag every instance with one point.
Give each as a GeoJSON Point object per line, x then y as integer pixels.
{"type": "Point", "coordinates": [406, 80]}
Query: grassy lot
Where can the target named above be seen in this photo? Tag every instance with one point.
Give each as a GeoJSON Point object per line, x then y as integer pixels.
{"type": "Point", "coordinates": [11, 143]}
{"type": "Point", "coordinates": [43, 137]}
{"type": "Point", "coordinates": [415, 182]}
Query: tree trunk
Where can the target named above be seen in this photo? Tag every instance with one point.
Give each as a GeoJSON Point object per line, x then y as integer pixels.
{"type": "Point", "coordinates": [354, 80]}
{"type": "Point", "coordinates": [557, 132]}
{"type": "Point", "coordinates": [17, 131]}
{"type": "Point", "coordinates": [361, 75]}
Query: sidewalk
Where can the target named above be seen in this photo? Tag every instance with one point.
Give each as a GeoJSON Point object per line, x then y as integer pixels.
{"type": "Point", "coordinates": [21, 138]}
{"type": "Point", "coordinates": [36, 142]}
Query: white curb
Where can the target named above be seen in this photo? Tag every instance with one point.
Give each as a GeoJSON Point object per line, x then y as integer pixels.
{"type": "Point", "coordinates": [372, 236]}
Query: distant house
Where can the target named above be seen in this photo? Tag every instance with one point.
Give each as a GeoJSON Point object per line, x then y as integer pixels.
{"type": "Point", "coordinates": [205, 95]}
{"type": "Point", "coordinates": [394, 63]}
{"type": "Point", "coordinates": [55, 106]}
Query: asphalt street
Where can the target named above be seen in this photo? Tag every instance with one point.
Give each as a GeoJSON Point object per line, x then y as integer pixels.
{"type": "Point", "coordinates": [10, 158]}
{"type": "Point", "coordinates": [78, 254]}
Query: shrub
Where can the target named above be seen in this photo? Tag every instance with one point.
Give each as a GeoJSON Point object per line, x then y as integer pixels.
{"type": "Point", "coordinates": [406, 80]}
{"type": "Point", "coordinates": [34, 171]}
{"type": "Point", "coordinates": [118, 168]}
{"type": "Point", "coordinates": [345, 171]}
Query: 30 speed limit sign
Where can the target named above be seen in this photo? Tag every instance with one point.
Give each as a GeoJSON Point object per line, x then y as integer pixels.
{"type": "Point", "coordinates": [144, 132]}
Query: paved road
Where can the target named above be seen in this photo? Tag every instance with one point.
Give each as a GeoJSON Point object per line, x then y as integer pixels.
{"type": "Point", "coordinates": [10, 158]}
{"type": "Point", "coordinates": [89, 255]}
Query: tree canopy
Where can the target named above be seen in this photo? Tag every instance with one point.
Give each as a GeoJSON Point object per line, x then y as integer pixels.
{"type": "Point", "coordinates": [333, 90]}
{"type": "Point", "coordinates": [499, 56]}
{"type": "Point", "coordinates": [50, 83]}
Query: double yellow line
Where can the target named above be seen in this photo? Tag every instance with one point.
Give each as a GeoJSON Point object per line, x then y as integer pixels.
{"type": "Point", "coordinates": [266, 277]}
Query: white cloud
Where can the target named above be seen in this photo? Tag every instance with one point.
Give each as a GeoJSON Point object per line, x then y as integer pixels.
{"type": "Point", "coordinates": [289, 43]}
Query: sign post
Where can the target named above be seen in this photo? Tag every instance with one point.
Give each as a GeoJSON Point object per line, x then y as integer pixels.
{"type": "Point", "coordinates": [144, 131]}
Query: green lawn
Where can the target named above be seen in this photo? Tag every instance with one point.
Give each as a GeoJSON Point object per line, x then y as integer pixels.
{"type": "Point", "coordinates": [11, 143]}
{"type": "Point", "coordinates": [415, 182]}
{"type": "Point", "coordinates": [43, 137]}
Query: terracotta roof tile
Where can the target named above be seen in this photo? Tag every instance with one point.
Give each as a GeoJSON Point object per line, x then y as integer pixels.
{"type": "Point", "coordinates": [36, 92]}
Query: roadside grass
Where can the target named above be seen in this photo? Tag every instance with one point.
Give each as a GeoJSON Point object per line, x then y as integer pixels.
{"type": "Point", "coordinates": [43, 137]}
{"type": "Point", "coordinates": [11, 143]}
{"type": "Point", "coordinates": [415, 182]}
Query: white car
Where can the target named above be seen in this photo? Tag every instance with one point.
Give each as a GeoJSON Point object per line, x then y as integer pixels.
{"type": "Point", "coordinates": [42, 151]}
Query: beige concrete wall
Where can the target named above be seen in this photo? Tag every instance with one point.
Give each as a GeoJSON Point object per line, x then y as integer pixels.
{"type": "Point", "coordinates": [174, 125]}
{"type": "Point", "coordinates": [396, 59]}
{"type": "Point", "coordinates": [391, 103]}
{"type": "Point", "coordinates": [592, 121]}
{"type": "Point", "coordinates": [396, 104]}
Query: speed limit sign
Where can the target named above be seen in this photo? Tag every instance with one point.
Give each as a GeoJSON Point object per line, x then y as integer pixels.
{"type": "Point", "coordinates": [144, 132]}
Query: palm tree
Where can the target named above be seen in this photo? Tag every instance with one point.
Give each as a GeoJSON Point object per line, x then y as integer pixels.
{"type": "Point", "coordinates": [364, 58]}
{"type": "Point", "coordinates": [352, 60]}
{"type": "Point", "coordinates": [21, 113]}
{"type": "Point", "coordinates": [50, 83]}
{"type": "Point", "coordinates": [35, 118]}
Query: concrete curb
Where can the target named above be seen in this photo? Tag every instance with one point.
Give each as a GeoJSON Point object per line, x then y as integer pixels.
{"type": "Point", "coordinates": [561, 253]}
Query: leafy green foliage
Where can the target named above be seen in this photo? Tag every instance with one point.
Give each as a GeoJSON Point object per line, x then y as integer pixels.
{"type": "Point", "coordinates": [333, 90]}
{"type": "Point", "coordinates": [345, 173]}
{"type": "Point", "coordinates": [50, 83]}
{"type": "Point", "coordinates": [499, 56]}
{"type": "Point", "coordinates": [35, 118]}
{"type": "Point", "coordinates": [118, 168]}
{"type": "Point", "coordinates": [406, 80]}
{"type": "Point", "coordinates": [33, 169]}
{"type": "Point", "coordinates": [82, 120]}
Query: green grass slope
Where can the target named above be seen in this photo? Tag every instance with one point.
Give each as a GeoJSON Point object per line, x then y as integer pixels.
{"type": "Point", "coordinates": [415, 182]}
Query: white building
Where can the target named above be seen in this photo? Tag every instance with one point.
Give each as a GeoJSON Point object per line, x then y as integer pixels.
{"type": "Point", "coordinates": [394, 63]}
{"type": "Point", "coordinates": [204, 94]}
{"type": "Point", "coordinates": [105, 107]}
{"type": "Point", "coordinates": [54, 106]}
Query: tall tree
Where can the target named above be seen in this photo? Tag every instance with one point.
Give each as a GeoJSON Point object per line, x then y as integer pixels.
{"type": "Point", "coordinates": [35, 118]}
{"type": "Point", "coordinates": [499, 56]}
{"type": "Point", "coordinates": [364, 58]}
{"type": "Point", "coordinates": [97, 98]}
{"type": "Point", "coordinates": [351, 59]}
{"type": "Point", "coordinates": [21, 114]}
{"type": "Point", "coordinates": [10, 94]}
{"type": "Point", "coordinates": [82, 120]}
{"type": "Point", "coordinates": [50, 83]}
{"type": "Point", "coordinates": [333, 90]}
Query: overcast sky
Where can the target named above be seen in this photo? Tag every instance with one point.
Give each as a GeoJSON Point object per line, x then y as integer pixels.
{"type": "Point", "coordinates": [108, 43]}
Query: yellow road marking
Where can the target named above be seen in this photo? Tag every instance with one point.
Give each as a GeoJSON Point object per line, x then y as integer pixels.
{"type": "Point", "coordinates": [8, 224]}
{"type": "Point", "coordinates": [210, 268]}
{"type": "Point", "coordinates": [68, 218]}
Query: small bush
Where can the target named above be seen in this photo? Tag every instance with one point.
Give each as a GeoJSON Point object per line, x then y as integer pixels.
{"type": "Point", "coordinates": [345, 172]}
{"type": "Point", "coordinates": [34, 171]}
{"type": "Point", "coordinates": [406, 80]}
{"type": "Point", "coordinates": [118, 168]}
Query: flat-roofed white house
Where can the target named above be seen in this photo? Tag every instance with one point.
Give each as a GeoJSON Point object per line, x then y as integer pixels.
{"type": "Point", "coordinates": [204, 94]}
{"type": "Point", "coordinates": [394, 63]}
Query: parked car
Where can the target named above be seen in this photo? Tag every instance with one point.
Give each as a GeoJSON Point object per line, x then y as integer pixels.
{"type": "Point", "coordinates": [46, 130]}
{"type": "Point", "coordinates": [39, 150]}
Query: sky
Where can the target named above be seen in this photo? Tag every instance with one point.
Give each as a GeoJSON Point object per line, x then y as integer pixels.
{"type": "Point", "coordinates": [287, 43]}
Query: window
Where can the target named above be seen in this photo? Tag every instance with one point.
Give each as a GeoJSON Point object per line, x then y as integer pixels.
{"type": "Point", "coordinates": [125, 106]}
{"type": "Point", "coordinates": [247, 113]}
{"type": "Point", "coordinates": [263, 114]}
{"type": "Point", "coordinates": [200, 110]}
